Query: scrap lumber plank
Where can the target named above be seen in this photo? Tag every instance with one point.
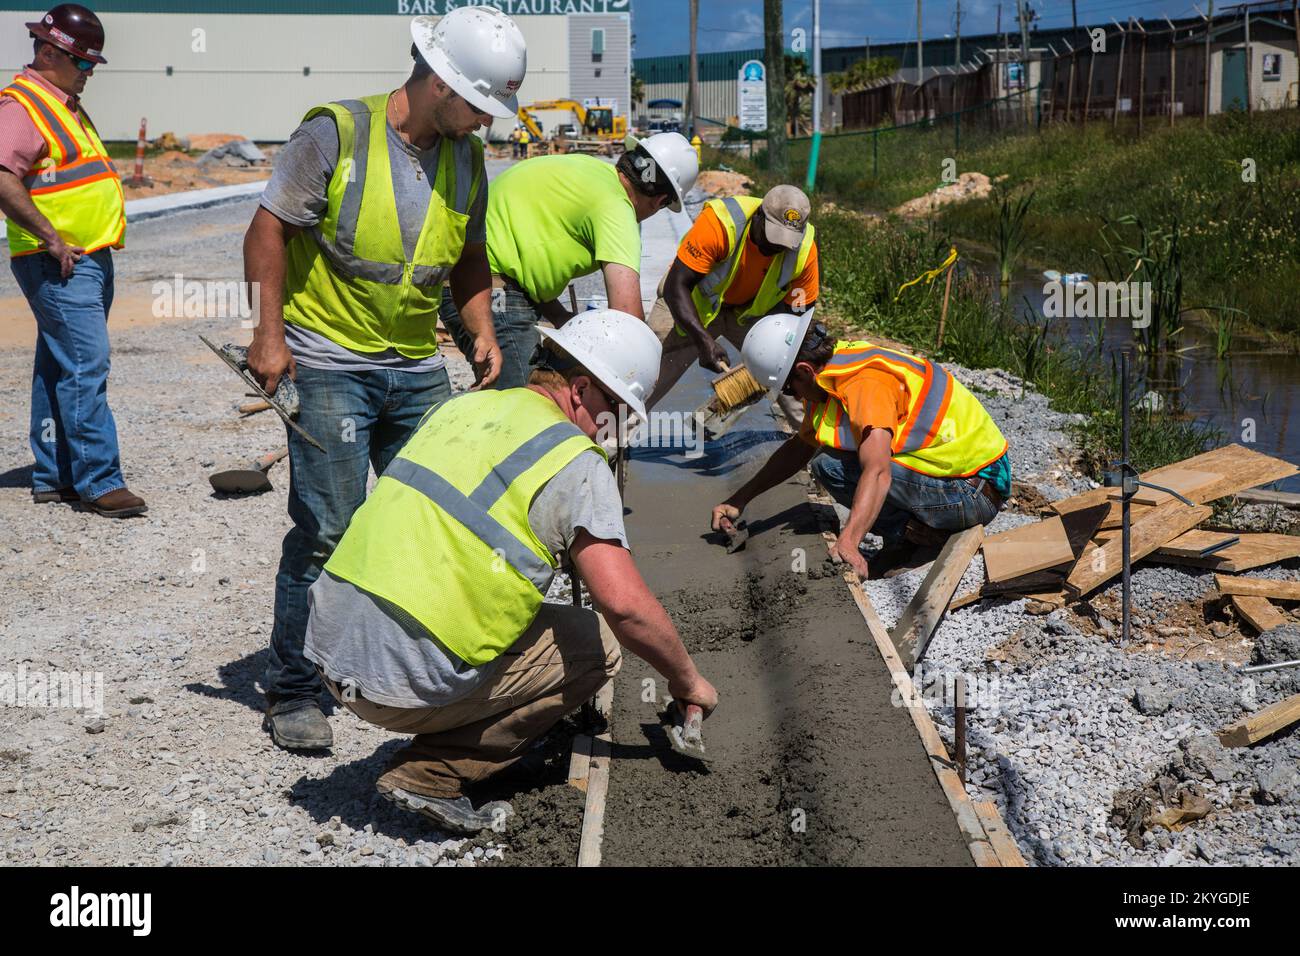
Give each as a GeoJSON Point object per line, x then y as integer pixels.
{"type": "Point", "coordinates": [922, 615]}
{"type": "Point", "coordinates": [1251, 551]}
{"type": "Point", "coordinates": [1004, 845]}
{"type": "Point", "coordinates": [968, 821]}
{"type": "Point", "coordinates": [1099, 564]}
{"type": "Point", "coordinates": [1241, 468]}
{"type": "Point", "coordinates": [1052, 580]}
{"type": "Point", "coordinates": [1258, 612]}
{"type": "Point", "coordinates": [580, 761]}
{"type": "Point", "coordinates": [1026, 549]}
{"type": "Point", "coordinates": [1115, 517]}
{"type": "Point", "coordinates": [1267, 722]}
{"type": "Point", "coordinates": [593, 814]}
{"type": "Point", "coordinates": [1186, 481]}
{"type": "Point", "coordinates": [1259, 587]}
{"type": "Point", "coordinates": [1197, 543]}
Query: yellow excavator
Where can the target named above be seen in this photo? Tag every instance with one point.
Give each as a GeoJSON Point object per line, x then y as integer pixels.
{"type": "Point", "coordinates": [595, 123]}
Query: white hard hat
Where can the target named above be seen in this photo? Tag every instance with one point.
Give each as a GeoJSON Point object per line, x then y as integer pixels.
{"type": "Point", "coordinates": [478, 52]}
{"type": "Point", "coordinates": [771, 345]}
{"type": "Point", "coordinates": [675, 156]}
{"type": "Point", "coordinates": [618, 349]}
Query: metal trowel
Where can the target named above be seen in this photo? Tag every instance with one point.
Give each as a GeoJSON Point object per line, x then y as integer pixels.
{"type": "Point", "coordinates": [685, 730]}
{"type": "Point", "coordinates": [247, 477]}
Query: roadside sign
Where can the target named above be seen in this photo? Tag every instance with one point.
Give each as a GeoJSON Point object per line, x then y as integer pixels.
{"type": "Point", "coordinates": [753, 96]}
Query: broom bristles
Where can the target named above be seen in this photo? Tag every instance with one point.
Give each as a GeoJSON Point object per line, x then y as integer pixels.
{"type": "Point", "coordinates": [735, 387]}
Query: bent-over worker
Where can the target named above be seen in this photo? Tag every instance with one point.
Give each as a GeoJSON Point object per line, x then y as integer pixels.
{"type": "Point", "coordinates": [897, 438]}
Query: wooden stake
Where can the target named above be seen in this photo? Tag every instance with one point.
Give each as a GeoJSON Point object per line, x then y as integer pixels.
{"type": "Point", "coordinates": [943, 314]}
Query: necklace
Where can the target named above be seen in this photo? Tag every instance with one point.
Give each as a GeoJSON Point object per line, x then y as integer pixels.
{"type": "Point", "coordinates": [403, 135]}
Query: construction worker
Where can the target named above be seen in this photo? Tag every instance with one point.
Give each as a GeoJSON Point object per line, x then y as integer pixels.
{"type": "Point", "coordinates": [374, 206]}
{"type": "Point", "coordinates": [429, 618]}
{"type": "Point", "coordinates": [523, 141]}
{"type": "Point", "coordinates": [743, 258]}
{"type": "Point", "coordinates": [555, 218]}
{"type": "Point", "coordinates": [65, 214]}
{"type": "Point", "coordinates": [898, 441]}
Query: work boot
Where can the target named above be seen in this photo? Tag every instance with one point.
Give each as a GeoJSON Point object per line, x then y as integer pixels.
{"type": "Point", "coordinates": [452, 815]}
{"type": "Point", "coordinates": [302, 728]}
{"type": "Point", "coordinates": [51, 496]}
{"type": "Point", "coordinates": [119, 503]}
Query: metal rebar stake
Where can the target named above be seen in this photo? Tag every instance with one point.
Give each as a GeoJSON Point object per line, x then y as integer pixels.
{"type": "Point", "coordinates": [1125, 495]}
{"type": "Point", "coordinates": [959, 728]}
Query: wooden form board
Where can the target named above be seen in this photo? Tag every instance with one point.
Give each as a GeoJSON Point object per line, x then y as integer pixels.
{"type": "Point", "coordinates": [1267, 722]}
{"type": "Point", "coordinates": [1259, 587]}
{"type": "Point", "coordinates": [922, 615]}
{"type": "Point", "coordinates": [970, 819]}
{"type": "Point", "coordinates": [1258, 612]}
{"type": "Point", "coordinates": [1240, 467]}
{"type": "Point", "coordinates": [1026, 549]}
{"type": "Point", "coordinates": [1188, 482]}
{"type": "Point", "coordinates": [593, 814]}
{"type": "Point", "coordinates": [1196, 543]}
{"type": "Point", "coordinates": [1251, 551]}
{"type": "Point", "coordinates": [1099, 564]}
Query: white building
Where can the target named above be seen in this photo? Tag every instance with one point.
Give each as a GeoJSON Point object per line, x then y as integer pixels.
{"type": "Point", "coordinates": [254, 67]}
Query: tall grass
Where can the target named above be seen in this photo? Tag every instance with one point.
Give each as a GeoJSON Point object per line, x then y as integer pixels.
{"type": "Point", "coordinates": [1239, 239]}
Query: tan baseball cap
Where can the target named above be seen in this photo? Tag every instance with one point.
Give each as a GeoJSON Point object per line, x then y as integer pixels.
{"type": "Point", "coordinates": [786, 209]}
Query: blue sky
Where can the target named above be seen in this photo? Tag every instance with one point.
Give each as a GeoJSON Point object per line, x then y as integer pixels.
{"type": "Point", "coordinates": [661, 25]}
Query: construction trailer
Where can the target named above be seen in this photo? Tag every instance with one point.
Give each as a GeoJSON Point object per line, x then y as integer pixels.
{"type": "Point", "coordinates": [254, 67]}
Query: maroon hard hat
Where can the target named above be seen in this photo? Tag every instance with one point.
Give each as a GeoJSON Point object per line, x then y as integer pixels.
{"type": "Point", "coordinates": [73, 28]}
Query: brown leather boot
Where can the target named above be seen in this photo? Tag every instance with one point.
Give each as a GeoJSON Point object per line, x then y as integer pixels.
{"type": "Point", "coordinates": [119, 503]}
{"type": "Point", "coordinates": [55, 496]}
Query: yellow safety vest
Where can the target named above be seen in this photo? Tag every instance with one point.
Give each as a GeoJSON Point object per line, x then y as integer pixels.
{"type": "Point", "coordinates": [445, 534]}
{"type": "Point", "coordinates": [349, 278]}
{"type": "Point", "coordinates": [735, 213]}
{"type": "Point", "coordinates": [946, 433]}
{"type": "Point", "coordinates": [76, 187]}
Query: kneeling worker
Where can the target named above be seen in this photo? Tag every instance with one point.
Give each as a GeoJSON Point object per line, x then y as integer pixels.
{"type": "Point", "coordinates": [899, 438]}
{"type": "Point", "coordinates": [744, 258]}
{"type": "Point", "coordinates": [429, 618]}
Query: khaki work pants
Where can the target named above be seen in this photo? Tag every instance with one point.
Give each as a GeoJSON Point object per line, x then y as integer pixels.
{"type": "Point", "coordinates": [556, 665]}
{"type": "Point", "coordinates": [680, 353]}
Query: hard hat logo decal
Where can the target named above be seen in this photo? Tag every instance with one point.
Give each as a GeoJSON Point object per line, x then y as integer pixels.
{"type": "Point", "coordinates": [789, 338]}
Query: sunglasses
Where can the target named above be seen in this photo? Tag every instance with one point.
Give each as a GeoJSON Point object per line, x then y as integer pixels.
{"type": "Point", "coordinates": [85, 66]}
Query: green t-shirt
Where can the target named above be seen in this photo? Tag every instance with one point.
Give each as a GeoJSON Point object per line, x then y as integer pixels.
{"type": "Point", "coordinates": [553, 218]}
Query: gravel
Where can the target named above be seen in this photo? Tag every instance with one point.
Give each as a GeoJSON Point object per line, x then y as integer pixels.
{"type": "Point", "coordinates": [1063, 722]}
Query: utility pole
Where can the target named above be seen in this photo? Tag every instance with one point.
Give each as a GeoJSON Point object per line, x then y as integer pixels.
{"type": "Point", "coordinates": [1209, 22]}
{"type": "Point", "coordinates": [869, 52]}
{"type": "Point", "coordinates": [693, 81]}
{"type": "Point", "coordinates": [919, 62]}
{"type": "Point", "coordinates": [815, 149]}
{"type": "Point", "coordinates": [1249, 107]}
{"type": "Point", "coordinates": [957, 55]}
{"type": "Point", "coordinates": [774, 53]}
{"type": "Point", "coordinates": [1024, 57]}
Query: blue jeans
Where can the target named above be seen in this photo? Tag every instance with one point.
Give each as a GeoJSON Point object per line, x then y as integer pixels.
{"type": "Point", "coordinates": [73, 435]}
{"type": "Point", "coordinates": [946, 504]}
{"type": "Point", "coordinates": [515, 319]}
{"type": "Point", "coordinates": [362, 419]}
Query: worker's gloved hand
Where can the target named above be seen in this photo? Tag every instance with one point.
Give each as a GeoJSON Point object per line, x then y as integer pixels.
{"type": "Point", "coordinates": [487, 363]}
{"type": "Point", "coordinates": [712, 355]}
{"type": "Point", "coordinates": [844, 551]}
{"type": "Point", "coordinates": [696, 691]}
{"type": "Point", "coordinates": [725, 516]}
{"type": "Point", "coordinates": [269, 359]}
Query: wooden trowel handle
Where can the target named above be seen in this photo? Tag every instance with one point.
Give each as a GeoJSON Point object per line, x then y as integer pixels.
{"type": "Point", "coordinates": [267, 460]}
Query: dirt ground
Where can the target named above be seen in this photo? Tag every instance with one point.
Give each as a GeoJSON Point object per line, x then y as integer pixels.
{"type": "Point", "coordinates": [174, 171]}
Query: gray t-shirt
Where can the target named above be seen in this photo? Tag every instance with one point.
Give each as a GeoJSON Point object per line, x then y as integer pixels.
{"type": "Point", "coordinates": [390, 658]}
{"type": "Point", "coordinates": [297, 194]}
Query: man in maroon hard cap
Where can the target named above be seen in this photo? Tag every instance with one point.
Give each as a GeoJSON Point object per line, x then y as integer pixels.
{"type": "Point", "coordinates": [63, 201]}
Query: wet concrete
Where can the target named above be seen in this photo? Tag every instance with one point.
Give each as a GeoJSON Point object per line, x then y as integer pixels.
{"type": "Point", "coordinates": [813, 764]}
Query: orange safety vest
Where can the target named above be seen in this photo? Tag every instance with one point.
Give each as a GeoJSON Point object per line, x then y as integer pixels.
{"type": "Point", "coordinates": [76, 187]}
{"type": "Point", "coordinates": [946, 432]}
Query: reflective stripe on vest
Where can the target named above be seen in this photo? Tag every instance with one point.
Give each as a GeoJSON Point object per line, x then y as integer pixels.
{"type": "Point", "coordinates": [946, 432]}
{"type": "Point", "coordinates": [351, 278]}
{"type": "Point", "coordinates": [736, 213]}
{"type": "Point", "coordinates": [445, 535]}
{"type": "Point", "coordinates": [76, 186]}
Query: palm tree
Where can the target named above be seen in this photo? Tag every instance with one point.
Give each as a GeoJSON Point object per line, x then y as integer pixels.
{"type": "Point", "coordinates": [862, 74]}
{"type": "Point", "coordinates": [799, 89]}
